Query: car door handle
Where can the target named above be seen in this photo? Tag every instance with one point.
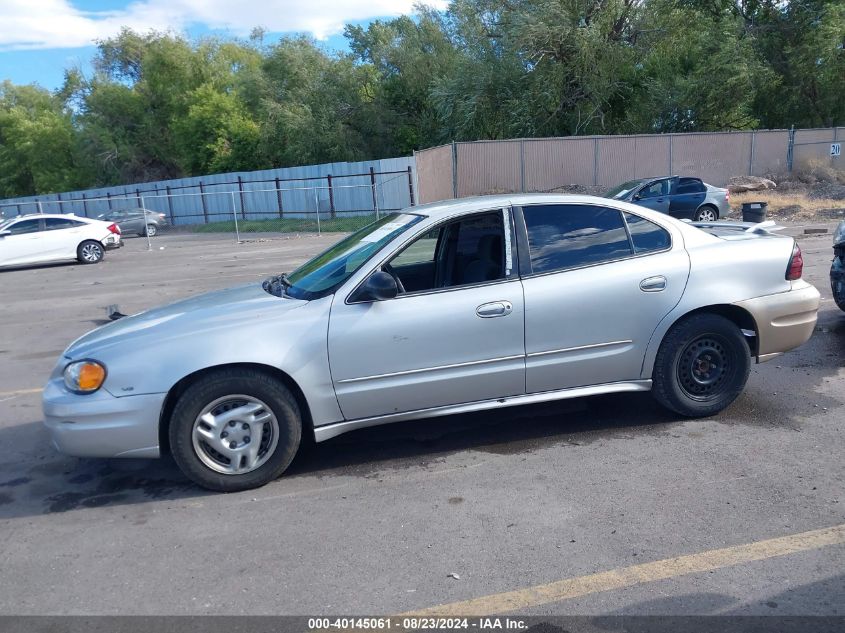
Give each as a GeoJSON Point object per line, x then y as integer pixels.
{"type": "Point", "coordinates": [494, 309]}
{"type": "Point", "coordinates": [653, 284]}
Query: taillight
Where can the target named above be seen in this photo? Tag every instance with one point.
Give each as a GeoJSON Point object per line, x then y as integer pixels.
{"type": "Point", "coordinates": [796, 264]}
{"type": "Point", "coordinates": [728, 195]}
{"type": "Point", "coordinates": [114, 228]}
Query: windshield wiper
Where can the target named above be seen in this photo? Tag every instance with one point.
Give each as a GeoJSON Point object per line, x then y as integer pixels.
{"type": "Point", "coordinates": [277, 285]}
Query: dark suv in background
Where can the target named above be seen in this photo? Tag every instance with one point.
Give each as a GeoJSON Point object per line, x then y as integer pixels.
{"type": "Point", "coordinates": [681, 197]}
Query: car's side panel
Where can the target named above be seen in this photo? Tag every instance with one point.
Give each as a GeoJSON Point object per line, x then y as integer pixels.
{"type": "Point", "coordinates": [724, 272]}
{"type": "Point", "coordinates": [425, 350]}
{"type": "Point", "coordinates": [592, 325]}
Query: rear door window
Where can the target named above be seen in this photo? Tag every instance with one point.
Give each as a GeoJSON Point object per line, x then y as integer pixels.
{"type": "Point", "coordinates": [562, 236]}
{"type": "Point", "coordinates": [54, 224]}
{"type": "Point", "coordinates": [690, 185]}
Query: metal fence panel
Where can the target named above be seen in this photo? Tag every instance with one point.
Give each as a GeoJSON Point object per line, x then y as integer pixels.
{"type": "Point", "coordinates": [815, 145]}
{"type": "Point", "coordinates": [551, 164]}
{"type": "Point", "coordinates": [714, 158]}
{"type": "Point", "coordinates": [434, 174]}
{"type": "Point", "coordinates": [488, 167]}
{"type": "Point", "coordinates": [769, 152]}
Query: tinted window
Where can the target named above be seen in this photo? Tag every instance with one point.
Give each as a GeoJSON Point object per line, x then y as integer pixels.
{"type": "Point", "coordinates": [690, 185]}
{"type": "Point", "coordinates": [646, 235]}
{"type": "Point", "coordinates": [566, 236]}
{"type": "Point", "coordinates": [61, 223]}
{"type": "Point", "coordinates": [420, 251]}
{"type": "Point", "coordinates": [24, 226]}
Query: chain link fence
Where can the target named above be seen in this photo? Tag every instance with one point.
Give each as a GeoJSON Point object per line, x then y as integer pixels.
{"type": "Point", "coordinates": [243, 209]}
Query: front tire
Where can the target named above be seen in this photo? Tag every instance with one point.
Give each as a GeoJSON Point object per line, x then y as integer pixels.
{"type": "Point", "coordinates": [151, 231]}
{"type": "Point", "coordinates": [706, 214]}
{"type": "Point", "coordinates": [702, 366]}
{"type": "Point", "coordinates": [235, 429]}
{"type": "Point", "coordinates": [90, 252]}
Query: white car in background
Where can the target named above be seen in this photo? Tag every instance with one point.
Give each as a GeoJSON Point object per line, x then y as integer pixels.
{"type": "Point", "coordinates": [44, 237]}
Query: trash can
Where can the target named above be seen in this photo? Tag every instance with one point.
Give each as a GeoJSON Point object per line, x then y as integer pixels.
{"type": "Point", "coordinates": [754, 211]}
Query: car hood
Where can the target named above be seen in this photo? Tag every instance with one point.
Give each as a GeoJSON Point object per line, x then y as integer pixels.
{"type": "Point", "coordinates": [234, 307]}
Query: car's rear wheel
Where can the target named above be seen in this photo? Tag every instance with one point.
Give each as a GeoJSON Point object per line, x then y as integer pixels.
{"type": "Point", "coordinates": [702, 366]}
{"type": "Point", "coordinates": [235, 429]}
{"type": "Point", "coordinates": [90, 252]}
{"type": "Point", "coordinates": [151, 230]}
{"type": "Point", "coordinates": [706, 214]}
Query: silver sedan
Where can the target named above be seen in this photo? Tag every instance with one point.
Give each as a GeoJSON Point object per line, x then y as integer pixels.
{"type": "Point", "coordinates": [457, 306]}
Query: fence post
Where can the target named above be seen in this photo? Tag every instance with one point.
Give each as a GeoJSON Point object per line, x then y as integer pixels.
{"type": "Point", "coordinates": [411, 185]}
{"type": "Point", "coordinates": [373, 189]}
{"type": "Point", "coordinates": [59, 195]}
{"type": "Point", "coordinates": [204, 205]}
{"type": "Point", "coordinates": [317, 206]}
{"type": "Point", "coordinates": [790, 148]}
{"type": "Point", "coordinates": [169, 204]}
{"type": "Point", "coordinates": [40, 208]}
{"type": "Point", "coordinates": [332, 213]}
{"type": "Point", "coordinates": [595, 161]}
{"type": "Point", "coordinates": [670, 155]}
{"type": "Point", "coordinates": [241, 196]}
{"type": "Point", "coordinates": [279, 198]}
{"type": "Point", "coordinates": [108, 199]}
{"type": "Point", "coordinates": [84, 205]}
{"type": "Point", "coordinates": [235, 215]}
{"type": "Point", "coordinates": [751, 157]}
{"type": "Point", "coordinates": [454, 169]}
{"type": "Point", "coordinates": [144, 213]}
{"type": "Point", "coordinates": [522, 165]}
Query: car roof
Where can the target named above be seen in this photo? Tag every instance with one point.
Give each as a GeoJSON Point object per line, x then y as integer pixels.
{"type": "Point", "coordinates": [445, 208]}
{"type": "Point", "coordinates": [30, 216]}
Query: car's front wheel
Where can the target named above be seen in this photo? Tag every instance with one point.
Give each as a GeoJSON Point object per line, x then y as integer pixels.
{"type": "Point", "coordinates": [90, 252]}
{"type": "Point", "coordinates": [151, 229]}
{"type": "Point", "coordinates": [235, 429]}
{"type": "Point", "coordinates": [702, 366]}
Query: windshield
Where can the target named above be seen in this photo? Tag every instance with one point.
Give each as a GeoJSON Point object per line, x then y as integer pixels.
{"type": "Point", "coordinates": [328, 270]}
{"type": "Point", "coordinates": [620, 191]}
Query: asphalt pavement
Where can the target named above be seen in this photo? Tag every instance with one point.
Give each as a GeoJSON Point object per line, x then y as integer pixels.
{"type": "Point", "coordinates": [604, 505]}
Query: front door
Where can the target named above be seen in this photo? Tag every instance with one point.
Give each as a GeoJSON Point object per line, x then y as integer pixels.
{"type": "Point", "coordinates": [601, 281]}
{"type": "Point", "coordinates": [654, 195]}
{"type": "Point", "coordinates": [24, 244]}
{"type": "Point", "coordinates": [454, 334]}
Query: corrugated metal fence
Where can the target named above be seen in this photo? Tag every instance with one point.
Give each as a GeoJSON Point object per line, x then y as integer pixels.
{"type": "Point", "coordinates": [315, 192]}
{"type": "Point", "coordinates": [482, 167]}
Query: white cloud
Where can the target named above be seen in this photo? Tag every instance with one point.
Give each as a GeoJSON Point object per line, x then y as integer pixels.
{"type": "Point", "coordinates": [28, 24]}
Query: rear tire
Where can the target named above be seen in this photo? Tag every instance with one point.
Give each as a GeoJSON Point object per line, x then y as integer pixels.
{"type": "Point", "coordinates": [235, 429]}
{"type": "Point", "coordinates": [90, 252]}
{"type": "Point", "coordinates": [702, 366]}
{"type": "Point", "coordinates": [706, 214]}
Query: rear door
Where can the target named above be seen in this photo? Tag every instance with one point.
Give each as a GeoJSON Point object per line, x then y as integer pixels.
{"type": "Point", "coordinates": [62, 236]}
{"type": "Point", "coordinates": [599, 283]}
{"type": "Point", "coordinates": [687, 195]}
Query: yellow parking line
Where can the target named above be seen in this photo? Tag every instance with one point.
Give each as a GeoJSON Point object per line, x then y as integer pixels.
{"type": "Point", "coordinates": [639, 574]}
{"type": "Point", "coordinates": [20, 392]}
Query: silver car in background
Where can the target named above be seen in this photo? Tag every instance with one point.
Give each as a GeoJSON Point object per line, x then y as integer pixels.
{"type": "Point", "coordinates": [139, 221]}
{"type": "Point", "coordinates": [685, 198]}
{"type": "Point", "coordinates": [451, 307]}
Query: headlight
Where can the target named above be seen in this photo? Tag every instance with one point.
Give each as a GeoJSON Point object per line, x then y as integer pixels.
{"type": "Point", "coordinates": [84, 376]}
{"type": "Point", "coordinates": [839, 234]}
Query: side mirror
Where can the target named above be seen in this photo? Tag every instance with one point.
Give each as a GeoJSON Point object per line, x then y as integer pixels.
{"type": "Point", "coordinates": [379, 286]}
{"type": "Point", "coordinates": [637, 197]}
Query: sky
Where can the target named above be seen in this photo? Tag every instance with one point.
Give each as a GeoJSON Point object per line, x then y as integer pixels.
{"type": "Point", "coordinates": [39, 39]}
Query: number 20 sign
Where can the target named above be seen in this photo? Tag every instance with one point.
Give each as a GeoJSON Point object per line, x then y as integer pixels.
{"type": "Point", "coordinates": [835, 149]}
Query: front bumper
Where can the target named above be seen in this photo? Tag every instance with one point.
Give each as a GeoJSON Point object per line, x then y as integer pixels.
{"type": "Point", "coordinates": [100, 425]}
{"type": "Point", "coordinates": [784, 320]}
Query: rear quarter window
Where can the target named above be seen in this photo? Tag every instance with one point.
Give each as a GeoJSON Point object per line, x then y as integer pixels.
{"type": "Point", "coordinates": [647, 236]}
